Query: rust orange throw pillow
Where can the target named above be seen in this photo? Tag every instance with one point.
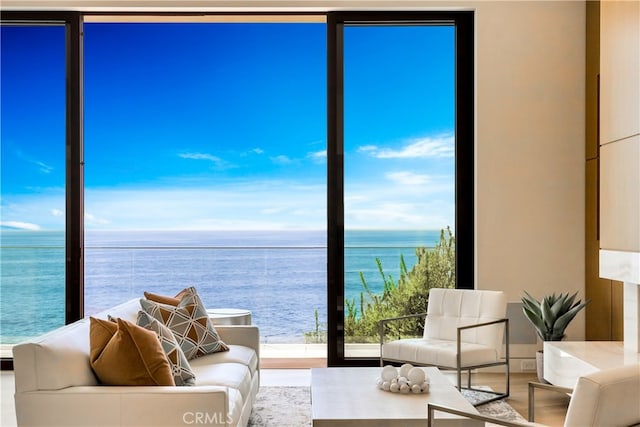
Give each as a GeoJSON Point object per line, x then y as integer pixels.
{"type": "Point", "coordinates": [163, 299]}
{"type": "Point", "coordinates": [122, 353]}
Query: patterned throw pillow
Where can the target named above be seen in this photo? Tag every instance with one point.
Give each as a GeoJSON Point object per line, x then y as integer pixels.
{"type": "Point", "coordinates": [182, 373]}
{"type": "Point", "coordinates": [189, 322]}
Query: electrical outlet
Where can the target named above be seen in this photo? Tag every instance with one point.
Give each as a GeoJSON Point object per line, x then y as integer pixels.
{"type": "Point", "coordinates": [528, 365]}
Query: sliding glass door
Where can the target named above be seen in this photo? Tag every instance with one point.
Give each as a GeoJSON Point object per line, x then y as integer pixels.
{"type": "Point", "coordinates": [206, 167]}
{"type": "Point", "coordinates": [402, 131]}
{"type": "Point", "coordinates": [40, 271]}
{"type": "Point", "coordinates": [33, 180]}
{"type": "Point", "coordinates": [218, 131]}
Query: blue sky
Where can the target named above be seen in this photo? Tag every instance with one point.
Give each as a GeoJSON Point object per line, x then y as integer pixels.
{"type": "Point", "coordinates": [223, 126]}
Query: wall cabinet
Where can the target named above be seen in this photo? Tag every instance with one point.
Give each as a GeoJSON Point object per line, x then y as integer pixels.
{"type": "Point", "coordinates": [619, 70]}
{"type": "Point", "coordinates": [604, 316]}
{"type": "Point", "coordinates": [620, 126]}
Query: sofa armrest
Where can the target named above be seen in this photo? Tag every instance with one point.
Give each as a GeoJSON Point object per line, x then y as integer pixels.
{"type": "Point", "coordinates": [247, 335]}
{"type": "Point", "coordinates": [129, 406]}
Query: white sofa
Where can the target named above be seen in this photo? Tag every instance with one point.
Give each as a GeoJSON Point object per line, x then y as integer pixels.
{"type": "Point", "coordinates": [55, 385]}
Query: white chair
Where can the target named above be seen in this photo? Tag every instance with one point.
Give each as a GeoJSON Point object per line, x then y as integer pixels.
{"type": "Point", "coordinates": [463, 330]}
{"type": "Point", "coordinates": [607, 398]}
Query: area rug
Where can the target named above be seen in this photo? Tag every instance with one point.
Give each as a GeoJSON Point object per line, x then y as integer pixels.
{"type": "Point", "coordinates": [497, 409]}
{"type": "Point", "coordinates": [291, 407]}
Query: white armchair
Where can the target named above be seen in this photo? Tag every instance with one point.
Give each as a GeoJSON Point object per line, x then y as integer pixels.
{"type": "Point", "coordinates": [463, 330]}
{"type": "Point", "coordinates": [607, 398]}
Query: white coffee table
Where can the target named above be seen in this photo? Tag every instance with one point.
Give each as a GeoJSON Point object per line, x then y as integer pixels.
{"type": "Point", "coordinates": [349, 397]}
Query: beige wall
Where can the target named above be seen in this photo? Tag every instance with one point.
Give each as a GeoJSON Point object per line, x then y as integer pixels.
{"type": "Point", "coordinates": [530, 149]}
{"type": "Point", "coordinates": [530, 133]}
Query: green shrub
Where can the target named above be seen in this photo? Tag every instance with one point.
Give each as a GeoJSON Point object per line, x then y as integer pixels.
{"type": "Point", "coordinates": [434, 268]}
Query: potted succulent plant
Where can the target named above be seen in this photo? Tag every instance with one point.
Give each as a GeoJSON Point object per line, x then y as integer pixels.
{"type": "Point", "coordinates": [550, 316]}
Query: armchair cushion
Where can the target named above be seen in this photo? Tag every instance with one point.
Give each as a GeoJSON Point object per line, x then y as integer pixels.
{"type": "Point", "coordinates": [438, 352]}
{"type": "Point", "coordinates": [449, 309]}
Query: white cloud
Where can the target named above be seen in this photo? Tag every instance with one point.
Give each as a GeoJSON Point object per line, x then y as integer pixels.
{"type": "Point", "coordinates": [318, 156]}
{"type": "Point", "coordinates": [44, 168]}
{"type": "Point", "coordinates": [418, 148]}
{"type": "Point", "coordinates": [253, 151]}
{"type": "Point", "coordinates": [281, 160]}
{"type": "Point", "coordinates": [367, 148]}
{"type": "Point", "coordinates": [242, 205]}
{"type": "Point", "coordinates": [389, 205]}
{"type": "Point", "coordinates": [270, 211]}
{"type": "Point", "coordinates": [381, 215]}
{"type": "Point", "coordinates": [408, 178]}
{"type": "Point", "coordinates": [251, 205]}
{"type": "Point", "coordinates": [91, 219]}
{"type": "Point", "coordinates": [397, 200]}
{"type": "Point", "coordinates": [19, 224]}
{"type": "Point", "coordinates": [217, 161]}
{"type": "Point", "coordinates": [34, 209]}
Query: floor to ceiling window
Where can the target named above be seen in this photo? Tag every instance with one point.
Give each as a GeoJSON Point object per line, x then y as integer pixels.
{"type": "Point", "coordinates": [297, 170]}
{"type": "Point", "coordinates": [400, 144]}
{"type": "Point", "coordinates": [32, 270]}
{"type": "Point", "coordinates": [399, 168]}
{"type": "Point", "coordinates": [205, 154]}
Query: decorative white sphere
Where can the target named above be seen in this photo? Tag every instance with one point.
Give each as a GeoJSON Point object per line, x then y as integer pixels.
{"type": "Point", "coordinates": [406, 379]}
{"type": "Point", "coordinates": [416, 375]}
{"type": "Point", "coordinates": [404, 369]}
{"type": "Point", "coordinates": [389, 372]}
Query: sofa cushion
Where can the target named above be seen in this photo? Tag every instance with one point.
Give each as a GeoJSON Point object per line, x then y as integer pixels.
{"type": "Point", "coordinates": [182, 373]}
{"type": "Point", "coordinates": [126, 354]}
{"type": "Point", "coordinates": [236, 354]}
{"type": "Point", "coordinates": [232, 375]}
{"type": "Point", "coordinates": [189, 322]}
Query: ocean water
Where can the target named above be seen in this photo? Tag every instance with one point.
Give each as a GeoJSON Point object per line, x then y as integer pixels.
{"type": "Point", "coordinates": [279, 275]}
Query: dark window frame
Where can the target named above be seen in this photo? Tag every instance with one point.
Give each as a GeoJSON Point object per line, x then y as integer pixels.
{"type": "Point", "coordinates": [74, 209]}
{"type": "Point", "coordinates": [464, 154]}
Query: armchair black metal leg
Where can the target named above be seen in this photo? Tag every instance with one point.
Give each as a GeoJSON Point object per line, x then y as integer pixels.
{"type": "Point", "coordinates": [508, 379]}
{"type": "Point", "coordinates": [532, 400]}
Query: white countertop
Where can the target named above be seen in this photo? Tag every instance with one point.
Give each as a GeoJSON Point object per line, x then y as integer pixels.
{"type": "Point", "coordinates": [565, 361]}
